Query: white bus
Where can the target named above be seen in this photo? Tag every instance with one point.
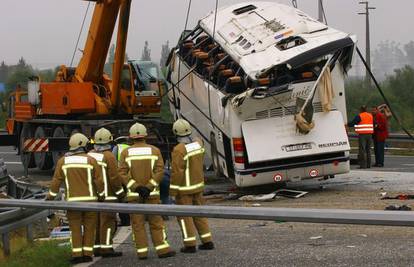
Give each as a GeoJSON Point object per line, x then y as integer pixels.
{"type": "Point", "coordinates": [265, 90]}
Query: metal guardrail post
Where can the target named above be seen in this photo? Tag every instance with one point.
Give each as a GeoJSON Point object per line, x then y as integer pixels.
{"type": "Point", "coordinates": [29, 232]}
{"type": "Point", "coordinates": [5, 237]}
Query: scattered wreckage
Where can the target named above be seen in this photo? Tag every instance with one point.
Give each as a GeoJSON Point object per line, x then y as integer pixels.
{"type": "Point", "coordinates": [263, 85]}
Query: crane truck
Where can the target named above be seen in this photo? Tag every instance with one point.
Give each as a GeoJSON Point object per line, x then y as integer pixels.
{"type": "Point", "coordinates": [81, 99]}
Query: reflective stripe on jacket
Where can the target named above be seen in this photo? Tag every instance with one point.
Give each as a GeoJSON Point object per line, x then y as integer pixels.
{"type": "Point", "coordinates": [141, 165]}
{"type": "Point", "coordinates": [187, 174]}
{"type": "Point", "coordinates": [111, 179]}
{"type": "Point", "coordinates": [82, 177]}
{"type": "Point", "coordinates": [366, 125]}
{"type": "Point", "coordinates": [121, 148]}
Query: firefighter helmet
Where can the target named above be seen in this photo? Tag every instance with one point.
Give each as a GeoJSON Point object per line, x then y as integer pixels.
{"type": "Point", "coordinates": [103, 136]}
{"type": "Point", "coordinates": [181, 128]}
{"type": "Point", "coordinates": [77, 140]}
{"type": "Point", "coordinates": [137, 130]}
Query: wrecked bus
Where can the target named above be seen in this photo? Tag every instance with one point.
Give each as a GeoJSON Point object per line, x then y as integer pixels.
{"type": "Point", "coordinates": [263, 84]}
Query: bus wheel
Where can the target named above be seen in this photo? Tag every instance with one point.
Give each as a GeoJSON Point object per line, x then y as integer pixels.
{"type": "Point", "coordinates": [26, 158]}
{"type": "Point", "coordinates": [43, 160]}
{"type": "Point", "coordinates": [58, 132]}
{"type": "Point", "coordinates": [215, 156]}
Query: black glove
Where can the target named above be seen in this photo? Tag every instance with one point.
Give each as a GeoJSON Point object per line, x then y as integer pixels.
{"type": "Point", "coordinates": [101, 198]}
{"type": "Point", "coordinates": [143, 192]}
{"type": "Point", "coordinates": [121, 197]}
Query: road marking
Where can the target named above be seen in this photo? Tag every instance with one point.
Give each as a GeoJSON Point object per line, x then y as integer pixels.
{"type": "Point", "coordinates": [408, 164]}
{"type": "Point", "coordinates": [8, 153]}
{"type": "Point", "coordinates": [13, 163]}
{"type": "Point", "coordinates": [119, 238]}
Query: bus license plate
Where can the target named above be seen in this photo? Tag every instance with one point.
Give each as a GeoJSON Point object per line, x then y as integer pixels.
{"type": "Point", "coordinates": [298, 147]}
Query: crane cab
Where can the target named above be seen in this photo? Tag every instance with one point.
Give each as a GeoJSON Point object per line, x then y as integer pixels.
{"type": "Point", "coordinates": [141, 87]}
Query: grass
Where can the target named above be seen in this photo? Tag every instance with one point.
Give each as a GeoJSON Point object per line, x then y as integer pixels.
{"type": "Point", "coordinates": [45, 253]}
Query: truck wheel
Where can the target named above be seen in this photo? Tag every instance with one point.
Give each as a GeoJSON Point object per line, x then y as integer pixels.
{"type": "Point", "coordinates": [215, 156]}
{"type": "Point", "coordinates": [58, 132]}
{"type": "Point", "coordinates": [27, 159]}
{"type": "Point", "coordinates": [43, 160]}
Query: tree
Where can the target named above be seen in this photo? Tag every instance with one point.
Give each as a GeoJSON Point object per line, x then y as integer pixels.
{"type": "Point", "coordinates": [19, 74]}
{"type": "Point", "coordinates": [146, 53]}
{"type": "Point", "coordinates": [165, 52]}
{"type": "Point", "coordinates": [386, 58]}
{"type": "Point", "coordinates": [409, 51]}
{"type": "Point", "coordinates": [4, 72]}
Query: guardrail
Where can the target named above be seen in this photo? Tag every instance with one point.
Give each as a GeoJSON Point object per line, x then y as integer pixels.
{"type": "Point", "coordinates": [391, 137]}
{"type": "Point", "coordinates": [13, 219]}
{"type": "Point", "coordinates": [335, 216]}
{"type": "Point", "coordinates": [17, 219]}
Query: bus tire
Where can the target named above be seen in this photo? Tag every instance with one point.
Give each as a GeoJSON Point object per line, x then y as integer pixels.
{"type": "Point", "coordinates": [43, 160]}
{"type": "Point", "coordinates": [58, 132]}
{"type": "Point", "coordinates": [27, 159]}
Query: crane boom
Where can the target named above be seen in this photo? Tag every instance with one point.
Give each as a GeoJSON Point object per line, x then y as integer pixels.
{"type": "Point", "coordinates": [91, 65]}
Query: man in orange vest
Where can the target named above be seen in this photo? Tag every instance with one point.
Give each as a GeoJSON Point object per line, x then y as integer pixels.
{"type": "Point", "coordinates": [364, 127]}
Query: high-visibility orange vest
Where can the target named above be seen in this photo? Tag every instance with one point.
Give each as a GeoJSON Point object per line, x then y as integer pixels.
{"type": "Point", "coordinates": [366, 126]}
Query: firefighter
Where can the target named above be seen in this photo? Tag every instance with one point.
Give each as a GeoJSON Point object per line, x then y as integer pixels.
{"type": "Point", "coordinates": [187, 185]}
{"type": "Point", "coordinates": [364, 127]}
{"type": "Point", "coordinates": [121, 144]}
{"type": "Point", "coordinates": [113, 191]}
{"type": "Point", "coordinates": [142, 168]}
{"type": "Point", "coordinates": [84, 182]}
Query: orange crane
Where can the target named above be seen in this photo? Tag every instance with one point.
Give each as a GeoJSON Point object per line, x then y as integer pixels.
{"type": "Point", "coordinates": [84, 98]}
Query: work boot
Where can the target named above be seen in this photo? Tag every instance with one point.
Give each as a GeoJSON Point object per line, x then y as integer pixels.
{"type": "Point", "coordinates": [188, 249]}
{"type": "Point", "coordinates": [111, 254]}
{"type": "Point", "coordinates": [206, 246]}
{"type": "Point", "coordinates": [87, 259]}
{"type": "Point", "coordinates": [76, 260]}
{"type": "Point", "coordinates": [167, 255]}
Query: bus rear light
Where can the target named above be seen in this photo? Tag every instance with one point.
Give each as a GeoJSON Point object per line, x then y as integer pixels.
{"type": "Point", "coordinates": [238, 159]}
{"type": "Point", "coordinates": [238, 147]}
{"type": "Point", "coordinates": [238, 144]}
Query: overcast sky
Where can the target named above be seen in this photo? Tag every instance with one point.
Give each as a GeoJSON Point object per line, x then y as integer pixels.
{"type": "Point", "coordinates": [44, 32]}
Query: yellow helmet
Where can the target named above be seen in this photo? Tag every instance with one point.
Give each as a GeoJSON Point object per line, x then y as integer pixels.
{"type": "Point", "coordinates": [181, 128]}
{"type": "Point", "coordinates": [137, 130]}
{"type": "Point", "coordinates": [103, 136]}
{"type": "Point", "coordinates": [77, 140]}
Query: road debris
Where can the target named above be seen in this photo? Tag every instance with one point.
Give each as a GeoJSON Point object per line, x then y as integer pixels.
{"type": "Point", "coordinates": [398, 207]}
{"type": "Point", "coordinates": [259, 224]}
{"type": "Point", "coordinates": [399, 197]}
{"type": "Point", "coordinates": [290, 193]}
{"type": "Point", "coordinates": [271, 196]}
{"type": "Point", "coordinates": [60, 232]}
{"type": "Point", "coordinates": [315, 237]}
{"type": "Point", "coordinates": [265, 197]}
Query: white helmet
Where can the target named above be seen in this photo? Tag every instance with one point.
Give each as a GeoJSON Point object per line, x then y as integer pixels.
{"type": "Point", "coordinates": [137, 130]}
{"type": "Point", "coordinates": [103, 136]}
{"type": "Point", "coordinates": [181, 128]}
{"type": "Point", "coordinates": [77, 140]}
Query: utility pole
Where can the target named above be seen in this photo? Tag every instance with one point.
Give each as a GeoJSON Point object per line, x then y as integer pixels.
{"type": "Point", "coordinates": [368, 41]}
